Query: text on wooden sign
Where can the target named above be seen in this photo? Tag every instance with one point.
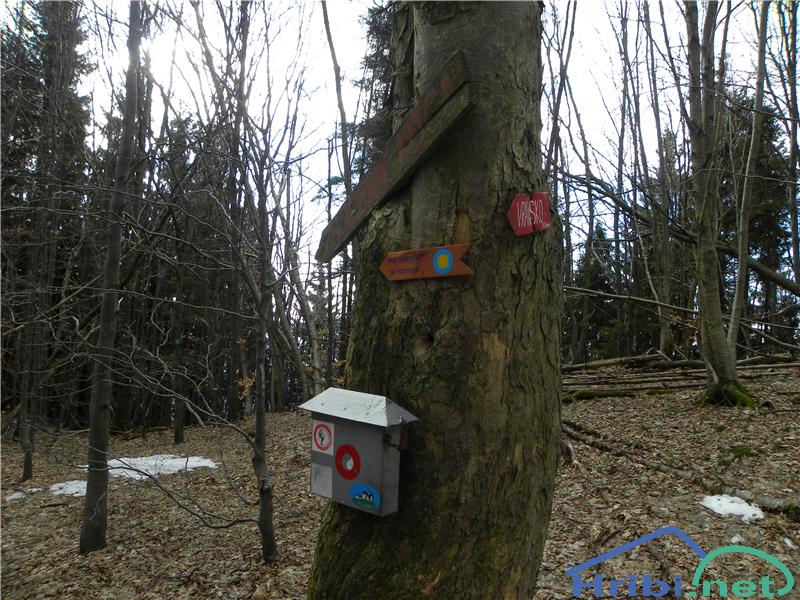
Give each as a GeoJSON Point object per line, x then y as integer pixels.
{"type": "Point", "coordinates": [424, 263]}
{"type": "Point", "coordinates": [529, 213]}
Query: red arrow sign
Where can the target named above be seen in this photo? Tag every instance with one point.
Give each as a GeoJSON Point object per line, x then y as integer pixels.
{"type": "Point", "coordinates": [527, 214]}
{"type": "Point", "coordinates": [442, 261]}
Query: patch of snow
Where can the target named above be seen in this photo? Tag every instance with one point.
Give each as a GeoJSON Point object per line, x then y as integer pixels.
{"type": "Point", "coordinates": [132, 468]}
{"type": "Point", "coordinates": [731, 505]}
{"type": "Point", "coordinates": [159, 464]}
{"type": "Point", "coordinates": [790, 543]}
{"type": "Point", "coordinates": [34, 490]}
{"type": "Point", "coordinates": [76, 487]}
{"type": "Point", "coordinates": [16, 496]}
{"type": "Point", "coordinates": [737, 539]}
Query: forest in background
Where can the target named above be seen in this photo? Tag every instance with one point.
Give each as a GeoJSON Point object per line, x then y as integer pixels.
{"type": "Point", "coordinates": [221, 308]}
{"type": "Point", "coordinates": [158, 223]}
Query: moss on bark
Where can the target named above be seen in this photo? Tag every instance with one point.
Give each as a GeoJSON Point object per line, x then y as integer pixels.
{"type": "Point", "coordinates": [731, 393]}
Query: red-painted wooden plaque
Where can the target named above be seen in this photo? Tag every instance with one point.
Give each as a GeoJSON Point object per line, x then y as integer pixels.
{"type": "Point", "coordinates": [528, 214]}
{"type": "Point", "coordinates": [425, 263]}
{"type": "Point", "coordinates": [441, 104]}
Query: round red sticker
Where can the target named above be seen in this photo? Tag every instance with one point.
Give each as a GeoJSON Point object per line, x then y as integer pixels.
{"type": "Point", "coordinates": [348, 462]}
{"type": "Point", "coordinates": [322, 437]}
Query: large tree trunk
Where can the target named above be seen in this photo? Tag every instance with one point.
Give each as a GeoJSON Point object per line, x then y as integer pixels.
{"type": "Point", "coordinates": [93, 529]}
{"type": "Point", "coordinates": [476, 358]}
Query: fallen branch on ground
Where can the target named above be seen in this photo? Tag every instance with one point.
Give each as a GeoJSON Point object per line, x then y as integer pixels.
{"type": "Point", "coordinates": [623, 361]}
{"type": "Point", "coordinates": [601, 393]}
{"type": "Point", "coordinates": [790, 508]}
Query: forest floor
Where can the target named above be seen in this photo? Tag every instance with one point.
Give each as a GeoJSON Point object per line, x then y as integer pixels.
{"type": "Point", "coordinates": [158, 550]}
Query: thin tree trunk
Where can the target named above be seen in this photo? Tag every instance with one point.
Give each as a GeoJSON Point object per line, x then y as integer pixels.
{"type": "Point", "coordinates": [569, 277]}
{"type": "Point", "coordinates": [581, 354]}
{"type": "Point", "coordinates": [269, 546]}
{"type": "Point", "coordinates": [331, 339]}
{"type": "Point", "coordinates": [723, 386]}
{"type": "Point", "coordinates": [788, 17]}
{"type": "Point", "coordinates": [347, 175]}
{"type": "Point", "coordinates": [93, 529]}
{"type": "Point", "coordinates": [564, 52]}
{"type": "Point", "coordinates": [743, 234]}
{"type": "Point", "coordinates": [24, 427]}
{"type": "Point", "coordinates": [661, 212]}
{"type": "Point", "coordinates": [236, 167]}
{"type": "Point", "coordinates": [317, 379]}
{"type": "Point", "coordinates": [620, 326]}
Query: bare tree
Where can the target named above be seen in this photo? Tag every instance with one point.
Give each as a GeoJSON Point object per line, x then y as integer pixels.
{"type": "Point", "coordinates": [784, 62]}
{"type": "Point", "coordinates": [743, 231]}
{"type": "Point", "coordinates": [93, 530]}
{"type": "Point", "coordinates": [702, 120]}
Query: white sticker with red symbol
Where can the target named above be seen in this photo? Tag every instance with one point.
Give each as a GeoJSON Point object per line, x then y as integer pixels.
{"type": "Point", "coordinates": [322, 437]}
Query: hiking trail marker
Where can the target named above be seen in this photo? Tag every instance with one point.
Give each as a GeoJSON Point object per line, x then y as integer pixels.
{"type": "Point", "coordinates": [426, 263]}
{"type": "Point", "coordinates": [323, 437]}
{"type": "Point", "coordinates": [528, 214]}
{"type": "Point", "coordinates": [356, 440]}
{"type": "Point", "coordinates": [441, 104]}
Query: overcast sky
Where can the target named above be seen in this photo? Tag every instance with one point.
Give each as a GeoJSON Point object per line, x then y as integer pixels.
{"type": "Point", "coordinates": [594, 68]}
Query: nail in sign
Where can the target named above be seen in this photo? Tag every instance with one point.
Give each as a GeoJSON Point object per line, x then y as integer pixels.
{"type": "Point", "coordinates": [528, 214]}
{"type": "Point", "coordinates": [441, 261]}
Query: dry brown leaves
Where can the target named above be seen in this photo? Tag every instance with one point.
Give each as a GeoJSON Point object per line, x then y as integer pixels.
{"type": "Point", "coordinates": [158, 550]}
{"type": "Point", "coordinates": [609, 500]}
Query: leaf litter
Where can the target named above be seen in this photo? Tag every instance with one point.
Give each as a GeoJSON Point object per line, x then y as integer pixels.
{"type": "Point", "coordinates": [156, 549]}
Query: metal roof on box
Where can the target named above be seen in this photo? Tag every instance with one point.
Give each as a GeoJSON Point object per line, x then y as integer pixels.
{"type": "Point", "coordinates": [360, 407]}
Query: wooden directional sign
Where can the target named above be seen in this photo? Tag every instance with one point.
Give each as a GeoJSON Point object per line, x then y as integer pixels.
{"type": "Point", "coordinates": [528, 214]}
{"type": "Point", "coordinates": [442, 261]}
{"type": "Point", "coordinates": [442, 103]}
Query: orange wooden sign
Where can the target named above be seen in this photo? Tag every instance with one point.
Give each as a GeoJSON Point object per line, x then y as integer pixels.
{"type": "Point", "coordinates": [425, 263]}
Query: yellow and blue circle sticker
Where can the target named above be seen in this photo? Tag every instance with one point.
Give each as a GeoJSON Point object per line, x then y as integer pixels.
{"type": "Point", "coordinates": [443, 261]}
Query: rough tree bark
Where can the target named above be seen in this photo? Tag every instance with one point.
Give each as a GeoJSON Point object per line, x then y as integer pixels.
{"type": "Point", "coordinates": [93, 529]}
{"type": "Point", "coordinates": [476, 358]}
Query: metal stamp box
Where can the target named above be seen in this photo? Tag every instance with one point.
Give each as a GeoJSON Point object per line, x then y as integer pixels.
{"type": "Point", "coordinates": [356, 440]}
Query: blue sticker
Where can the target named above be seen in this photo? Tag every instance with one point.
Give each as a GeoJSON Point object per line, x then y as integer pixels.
{"type": "Point", "coordinates": [443, 261]}
{"type": "Point", "coordinates": [365, 496]}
